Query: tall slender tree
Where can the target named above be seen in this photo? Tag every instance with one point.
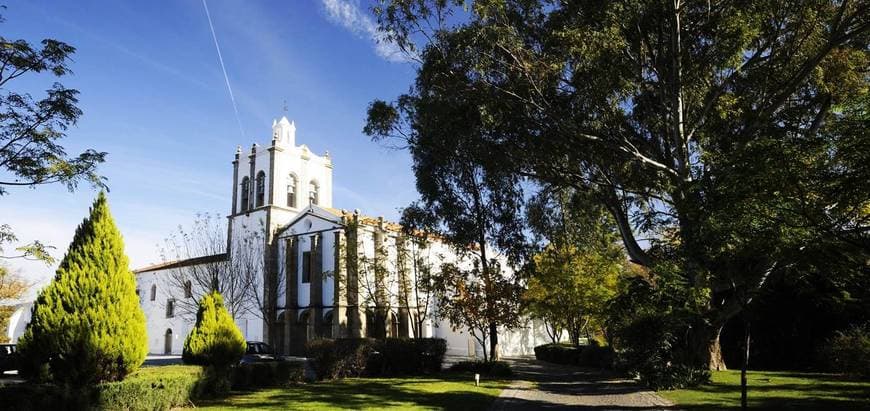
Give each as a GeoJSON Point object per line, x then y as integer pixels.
{"type": "Point", "coordinates": [465, 197]}
{"type": "Point", "coordinates": [87, 324]}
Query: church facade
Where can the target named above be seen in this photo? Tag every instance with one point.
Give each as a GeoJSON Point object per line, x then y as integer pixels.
{"type": "Point", "coordinates": [326, 272]}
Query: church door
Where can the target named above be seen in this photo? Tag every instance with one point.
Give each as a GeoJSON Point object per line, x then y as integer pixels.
{"type": "Point", "coordinates": [167, 344]}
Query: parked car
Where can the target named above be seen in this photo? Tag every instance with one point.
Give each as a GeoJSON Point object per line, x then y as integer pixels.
{"type": "Point", "coordinates": [258, 352]}
{"type": "Point", "coordinates": [8, 357]}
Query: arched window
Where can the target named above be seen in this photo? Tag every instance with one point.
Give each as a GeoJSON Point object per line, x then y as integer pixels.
{"type": "Point", "coordinates": [188, 289]}
{"type": "Point", "coordinates": [261, 188]}
{"type": "Point", "coordinates": [170, 308]}
{"type": "Point", "coordinates": [246, 189]}
{"type": "Point", "coordinates": [313, 196]}
{"type": "Point", "coordinates": [153, 292]}
{"type": "Point", "coordinates": [394, 325]}
{"type": "Point", "coordinates": [291, 191]}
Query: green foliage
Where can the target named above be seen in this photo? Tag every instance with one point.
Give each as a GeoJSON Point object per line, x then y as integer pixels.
{"type": "Point", "coordinates": [577, 271]}
{"type": "Point", "coordinates": [355, 357]}
{"type": "Point", "coordinates": [267, 374]}
{"type": "Point", "coordinates": [499, 369]}
{"type": "Point", "coordinates": [477, 299]}
{"type": "Point", "coordinates": [732, 138]}
{"type": "Point", "coordinates": [33, 251]}
{"type": "Point", "coordinates": [653, 348]}
{"type": "Point", "coordinates": [400, 356]}
{"type": "Point", "coordinates": [30, 130]}
{"type": "Point", "coordinates": [156, 388]}
{"type": "Point", "coordinates": [587, 356]}
{"type": "Point", "coordinates": [87, 325]}
{"type": "Point", "coordinates": [572, 287]}
{"type": "Point", "coordinates": [215, 339]}
{"type": "Point", "coordinates": [848, 352]}
{"type": "Point", "coordinates": [558, 353]}
{"type": "Point", "coordinates": [340, 358]}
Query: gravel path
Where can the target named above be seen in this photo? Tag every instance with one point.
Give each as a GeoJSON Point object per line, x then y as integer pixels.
{"type": "Point", "coordinates": [541, 385]}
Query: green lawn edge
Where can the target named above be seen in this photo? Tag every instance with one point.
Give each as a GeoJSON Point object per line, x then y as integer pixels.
{"type": "Point", "coordinates": [411, 393]}
{"type": "Point", "coordinates": [775, 390]}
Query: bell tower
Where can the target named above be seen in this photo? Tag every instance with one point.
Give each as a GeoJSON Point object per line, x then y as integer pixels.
{"type": "Point", "coordinates": [271, 186]}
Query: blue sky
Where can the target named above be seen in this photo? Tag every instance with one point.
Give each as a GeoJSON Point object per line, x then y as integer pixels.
{"type": "Point", "coordinates": [154, 98]}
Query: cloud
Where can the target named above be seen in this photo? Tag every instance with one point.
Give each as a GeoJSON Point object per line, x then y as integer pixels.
{"type": "Point", "coordinates": [348, 14]}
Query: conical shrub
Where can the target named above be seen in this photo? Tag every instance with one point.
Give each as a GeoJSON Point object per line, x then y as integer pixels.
{"type": "Point", "coordinates": [87, 325]}
{"type": "Point", "coordinates": [215, 339]}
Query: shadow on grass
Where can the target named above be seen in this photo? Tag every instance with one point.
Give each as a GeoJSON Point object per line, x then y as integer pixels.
{"type": "Point", "coordinates": [778, 390]}
{"type": "Point", "coordinates": [441, 393]}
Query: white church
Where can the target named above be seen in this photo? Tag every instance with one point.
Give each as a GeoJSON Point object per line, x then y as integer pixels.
{"type": "Point", "coordinates": [328, 273]}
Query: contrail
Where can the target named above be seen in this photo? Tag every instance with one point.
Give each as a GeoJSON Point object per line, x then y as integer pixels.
{"type": "Point", "coordinates": [223, 68]}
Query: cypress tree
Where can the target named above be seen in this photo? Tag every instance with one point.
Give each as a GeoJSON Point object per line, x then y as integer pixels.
{"type": "Point", "coordinates": [87, 324]}
{"type": "Point", "coordinates": [215, 339]}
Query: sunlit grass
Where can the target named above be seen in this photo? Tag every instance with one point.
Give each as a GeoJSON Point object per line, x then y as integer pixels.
{"type": "Point", "coordinates": [776, 390]}
{"type": "Point", "coordinates": [443, 392]}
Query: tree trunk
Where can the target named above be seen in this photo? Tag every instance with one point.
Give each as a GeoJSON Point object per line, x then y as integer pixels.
{"type": "Point", "coordinates": [706, 347]}
{"type": "Point", "coordinates": [493, 341]}
{"type": "Point", "coordinates": [716, 362]}
{"type": "Point", "coordinates": [744, 367]}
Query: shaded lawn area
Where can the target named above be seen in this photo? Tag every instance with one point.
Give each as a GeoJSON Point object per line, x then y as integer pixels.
{"type": "Point", "coordinates": [456, 392]}
{"type": "Point", "coordinates": [775, 390]}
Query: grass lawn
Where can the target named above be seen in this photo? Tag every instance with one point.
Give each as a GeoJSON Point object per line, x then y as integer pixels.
{"type": "Point", "coordinates": [776, 390]}
{"type": "Point", "coordinates": [442, 392]}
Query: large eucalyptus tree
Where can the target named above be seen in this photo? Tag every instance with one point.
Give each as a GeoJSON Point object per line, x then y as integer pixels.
{"type": "Point", "coordinates": [731, 134]}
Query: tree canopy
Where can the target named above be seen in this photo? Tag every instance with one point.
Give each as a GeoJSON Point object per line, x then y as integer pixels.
{"type": "Point", "coordinates": [720, 136]}
{"type": "Point", "coordinates": [31, 130]}
{"type": "Point", "coordinates": [580, 265]}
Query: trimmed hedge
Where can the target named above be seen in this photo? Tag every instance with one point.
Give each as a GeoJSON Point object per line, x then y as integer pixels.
{"type": "Point", "coordinates": [586, 355]}
{"type": "Point", "coordinates": [267, 374]}
{"type": "Point", "coordinates": [340, 358]}
{"type": "Point", "coordinates": [355, 357]}
{"type": "Point", "coordinates": [150, 388]}
{"type": "Point", "coordinates": [490, 368]}
{"type": "Point", "coordinates": [153, 388]}
{"type": "Point", "coordinates": [409, 357]}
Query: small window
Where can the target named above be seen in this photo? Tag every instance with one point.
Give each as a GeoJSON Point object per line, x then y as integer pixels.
{"type": "Point", "coordinates": [188, 289]}
{"type": "Point", "coordinates": [170, 308]}
{"type": "Point", "coordinates": [291, 191]}
{"type": "Point", "coordinates": [313, 195]}
{"type": "Point", "coordinates": [306, 266]}
{"type": "Point", "coordinates": [246, 189]}
{"type": "Point", "coordinates": [261, 188]}
{"type": "Point", "coordinates": [153, 292]}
